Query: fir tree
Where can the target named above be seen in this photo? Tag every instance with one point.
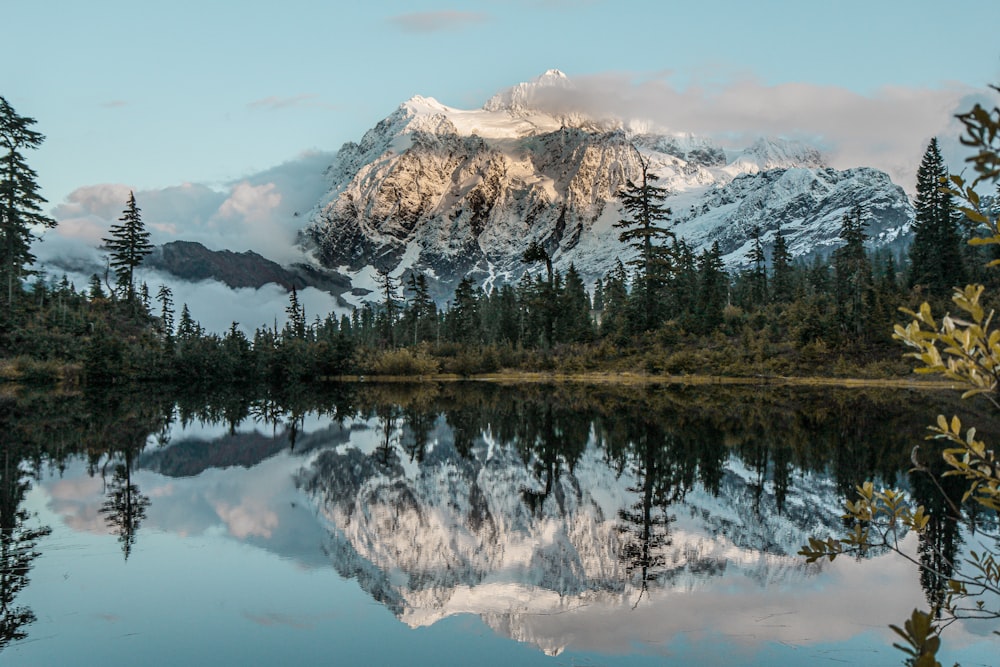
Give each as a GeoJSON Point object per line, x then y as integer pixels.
{"type": "Point", "coordinates": [573, 320]}
{"type": "Point", "coordinates": [187, 328]}
{"type": "Point", "coordinates": [852, 272]}
{"type": "Point", "coordinates": [781, 270]}
{"type": "Point", "coordinates": [615, 301]}
{"type": "Point", "coordinates": [643, 230]}
{"type": "Point", "coordinates": [713, 287]}
{"type": "Point", "coordinates": [165, 298]}
{"type": "Point", "coordinates": [421, 311]}
{"type": "Point", "coordinates": [465, 313]}
{"type": "Point", "coordinates": [296, 327]}
{"type": "Point", "coordinates": [128, 245]}
{"type": "Point", "coordinates": [936, 254]}
{"type": "Point", "coordinates": [758, 270]}
{"type": "Point", "coordinates": [20, 201]}
{"type": "Point", "coordinates": [94, 289]}
{"type": "Point", "coordinates": [388, 286]}
{"type": "Point", "coordinates": [682, 286]}
{"type": "Point", "coordinates": [598, 299]}
{"type": "Point", "coordinates": [544, 302]}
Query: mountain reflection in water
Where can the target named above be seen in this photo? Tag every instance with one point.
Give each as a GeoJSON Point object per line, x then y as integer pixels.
{"type": "Point", "coordinates": [566, 517]}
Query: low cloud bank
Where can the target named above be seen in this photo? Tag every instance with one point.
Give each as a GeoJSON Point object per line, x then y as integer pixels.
{"type": "Point", "coordinates": [888, 129]}
{"type": "Point", "coordinates": [263, 212]}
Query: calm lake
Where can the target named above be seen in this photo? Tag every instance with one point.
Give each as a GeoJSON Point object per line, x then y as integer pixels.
{"type": "Point", "coordinates": [458, 523]}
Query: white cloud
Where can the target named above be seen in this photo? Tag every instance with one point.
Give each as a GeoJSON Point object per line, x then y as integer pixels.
{"type": "Point", "coordinates": [262, 212]}
{"type": "Point", "coordinates": [250, 203]}
{"type": "Point", "coordinates": [888, 130]}
{"type": "Point", "coordinates": [275, 102]}
{"type": "Point", "coordinates": [425, 22]}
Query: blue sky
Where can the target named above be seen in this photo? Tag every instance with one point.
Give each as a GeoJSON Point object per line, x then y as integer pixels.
{"type": "Point", "coordinates": [222, 115]}
{"type": "Point", "coordinates": [155, 95]}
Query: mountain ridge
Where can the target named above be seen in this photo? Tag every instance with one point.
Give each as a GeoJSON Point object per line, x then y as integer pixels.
{"type": "Point", "coordinates": [453, 193]}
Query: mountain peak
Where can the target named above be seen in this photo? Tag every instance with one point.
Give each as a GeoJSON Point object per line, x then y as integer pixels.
{"type": "Point", "coordinates": [519, 98]}
{"type": "Point", "coordinates": [418, 104]}
{"type": "Point", "coordinates": [776, 153]}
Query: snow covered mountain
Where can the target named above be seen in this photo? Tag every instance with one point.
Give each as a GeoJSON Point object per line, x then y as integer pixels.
{"type": "Point", "coordinates": [450, 534]}
{"type": "Point", "coordinates": [453, 192]}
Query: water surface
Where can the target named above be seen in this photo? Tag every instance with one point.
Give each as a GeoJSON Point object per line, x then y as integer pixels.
{"type": "Point", "coordinates": [455, 524]}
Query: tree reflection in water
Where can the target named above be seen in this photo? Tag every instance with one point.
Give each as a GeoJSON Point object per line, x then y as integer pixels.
{"type": "Point", "coordinates": [18, 537]}
{"type": "Point", "coordinates": [659, 443]}
{"type": "Point", "coordinates": [125, 507]}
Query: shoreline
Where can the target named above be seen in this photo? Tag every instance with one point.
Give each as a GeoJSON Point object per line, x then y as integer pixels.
{"type": "Point", "coordinates": [639, 379]}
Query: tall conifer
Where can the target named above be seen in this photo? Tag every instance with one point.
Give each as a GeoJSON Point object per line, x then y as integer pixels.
{"type": "Point", "coordinates": [644, 208]}
{"type": "Point", "coordinates": [20, 201]}
{"type": "Point", "coordinates": [128, 245]}
{"type": "Point", "coordinates": [936, 253]}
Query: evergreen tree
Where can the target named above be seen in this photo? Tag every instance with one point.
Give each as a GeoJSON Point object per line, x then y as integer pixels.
{"type": "Point", "coordinates": [296, 327]}
{"type": "Point", "coordinates": [388, 286]}
{"type": "Point", "coordinates": [465, 313]}
{"type": "Point", "coordinates": [187, 328]}
{"type": "Point", "coordinates": [573, 318]}
{"type": "Point", "coordinates": [713, 287]}
{"type": "Point", "coordinates": [20, 201]}
{"type": "Point", "coordinates": [544, 303]}
{"type": "Point", "coordinates": [508, 324]}
{"type": "Point", "coordinates": [781, 270]}
{"type": "Point", "coordinates": [615, 301]}
{"type": "Point", "coordinates": [758, 271]}
{"type": "Point", "coordinates": [936, 253]}
{"type": "Point", "coordinates": [165, 298]}
{"type": "Point", "coordinates": [643, 230]}
{"type": "Point", "coordinates": [420, 314]}
{"type": "Point", "coordinates": [128, 245]}
{"type": "Point", "coordinates": [598, 299]}
{"type": "Point", "coordinates": [852, 273]}
{"type": "Point", "coordinates": [94, 289]}
{"type": "Point", "coordinates": [537, 253]}
{"type": "Point", "coordinates": [682, 292]}
{"type": "Point", "coordinates": [144, 297]}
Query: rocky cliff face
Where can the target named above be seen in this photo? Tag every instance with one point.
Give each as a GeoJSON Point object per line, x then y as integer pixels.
{"type": "Point", "coordinates": [451, 193]}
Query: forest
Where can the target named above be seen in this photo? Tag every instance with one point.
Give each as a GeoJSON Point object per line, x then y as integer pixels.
{"type": "Point", "coordinates": [668, 311]}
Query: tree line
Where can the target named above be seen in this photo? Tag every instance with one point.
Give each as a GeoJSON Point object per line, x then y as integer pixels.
{"type": "Point", "coordinates": [666, 310]}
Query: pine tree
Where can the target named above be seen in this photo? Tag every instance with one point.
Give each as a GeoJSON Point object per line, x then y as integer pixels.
{"type": "Point", "coordinates": [187, 328]}
{"type": "Point", "coordinates": [598, 299]}
{"type": "Point", "coordinates": [682, 292]}
{"type": "Point", "coordinates": [936, 253]}
{"type": "Point", "coordinates": [781, 270]}
{"type": "Point", "coordinates": [20, 201]}
{"type": "Point", "coordinates": [421, 312]}
{"type": "Point", "coordinates": [573, 323]}
{"type": "Point", "coordinates": [94, 289]}
{"type": "Point", "coordinates": [296, 327]}
{"type": "Point", "coordinates": [128, 245]}
{"type": "Point", "coordinates": [389, 287]}
{"type": "Point", "coordinates": [852, 272]}
{"type": "Point", "coordinates": [615, 301]}
{"type": "Point", "coordinates": [144, 297]}
{"type": "Point", "coordinates": [465, 313]}
{"type": "Point", "coordinates": [758, 271]}
{"type": "Point", "coordinates": [713, 287]}
{"type": "Point", "coordinates": [165, 298]}
{"type": "Point", "coordinates": [642, 229]}
{"type": "Point", "coordinates": [544, 302]}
